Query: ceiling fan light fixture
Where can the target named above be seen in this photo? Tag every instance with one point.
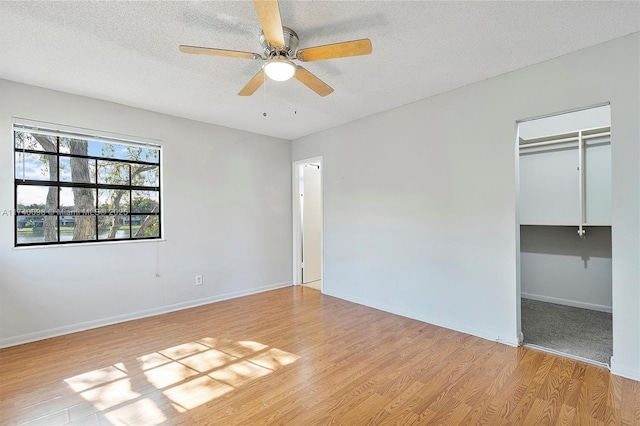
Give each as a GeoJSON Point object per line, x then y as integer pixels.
{"type": "Point", "coordinates": [280, 47]}
{"type": "Point", "coordinates": [279, 69]}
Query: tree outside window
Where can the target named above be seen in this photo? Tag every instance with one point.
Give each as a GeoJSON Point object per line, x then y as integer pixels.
{"type": "Point", "coordinates": [71, 188]}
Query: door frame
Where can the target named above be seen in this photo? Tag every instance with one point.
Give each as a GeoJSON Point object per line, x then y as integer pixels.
{"type": "Point", "coordinates": [518, 282]}
{"type": "Point", "coordinates": [297, 220]}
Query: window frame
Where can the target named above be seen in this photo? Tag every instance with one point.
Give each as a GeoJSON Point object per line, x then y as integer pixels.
{"type": "Point", "coordinates": [96, 211]}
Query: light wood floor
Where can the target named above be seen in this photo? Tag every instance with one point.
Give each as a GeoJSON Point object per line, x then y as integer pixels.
{"type": "Point", "coordinates": [296, 357]}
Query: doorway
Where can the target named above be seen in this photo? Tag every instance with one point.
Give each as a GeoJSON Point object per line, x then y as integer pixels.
{"type": "Point", "coordinates": [564, 234]}
{"type": "Point", "coordinates": [307, 232]}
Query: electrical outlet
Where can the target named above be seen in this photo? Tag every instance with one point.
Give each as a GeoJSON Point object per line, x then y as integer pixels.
{"type": "Point", "coordinates": [198, 279]}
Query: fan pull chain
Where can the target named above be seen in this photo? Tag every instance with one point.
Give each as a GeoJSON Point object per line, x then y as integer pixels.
{"type": "Point", "coordinates": [264, 91]}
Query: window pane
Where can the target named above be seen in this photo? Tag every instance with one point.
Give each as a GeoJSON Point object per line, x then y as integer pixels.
{"type": "Point", "coordinates": [113, 227]}
{"type": "Point", "coordinates": [26, 140]}
{"type": "Point", "coordinates": [77, 201]}
{"type": "Point", "coordinates": [110, 150]}
{"type": "Point", "coordinates": [94, 194]}
{"type": "Point", "coordinates": [79, 170]}
{"type": "Point", "coordinates": [37, 229]}
{"type": "Point", "coordinates": [113, 173]}
{"type": "Point", "coordinates": [144, 201]}
{"type": "Point", "coordinates": [34, 199]}
{"type": "Point", "coordinates": [136, 153]}
{"type": "Point", "coordinates": [74, 146]}
{"type": "Point", "coordinates": [77, 228]}
{"type": "Point", "coordinates": [145, 226]}
{"type": "Point", "coordinates": [150, 155]}
{"type": "Point", "coordinates": [114, 201]}
{"type": "Point", "coordinates": [35, 166]}
{"type": "Point", "coordinates": [145, 175]}
{"type": "Point", "coordinates": [116, 151]}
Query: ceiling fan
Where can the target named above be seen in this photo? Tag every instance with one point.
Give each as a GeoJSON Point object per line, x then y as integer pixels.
{"type": "Point", "coordinates": [279, 45]}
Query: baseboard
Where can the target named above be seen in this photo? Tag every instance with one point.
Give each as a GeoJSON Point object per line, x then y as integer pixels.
{"type": "Point", "coordinates": [573, 303]}
{"type": "Point", "coordinates": [628, 373]}
{"type": "Point", "coordinates": [74, 328]}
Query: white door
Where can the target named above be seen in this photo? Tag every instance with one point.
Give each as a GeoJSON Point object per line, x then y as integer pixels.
{"type": "Point", "coordinates": [311, 223]}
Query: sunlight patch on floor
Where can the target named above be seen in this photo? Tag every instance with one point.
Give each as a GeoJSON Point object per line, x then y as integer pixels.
{"type": "Point", "coordinates": [208, 360]}
{"type": "Point", "coordinates": [168, 374]}
{"type": "Point", "coordinates": [141, 412]}
{"type": "Point", "coordinates": [180, 378]}
{"type": "Point", "coordinates": [273, 358]}
{"type": "Point", "coordinates": [95, 378]}
{"type": "Point", "coordinates": [196, 392]}
{"type": "Point", "coordinates": [111, 394]}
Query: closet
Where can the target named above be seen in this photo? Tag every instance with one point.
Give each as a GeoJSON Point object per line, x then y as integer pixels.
{"type": "Point", "coordinates": [565, 233]}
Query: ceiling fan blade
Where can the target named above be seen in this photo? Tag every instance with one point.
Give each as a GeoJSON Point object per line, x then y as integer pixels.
{"type": "Point", "coordinates": [313, 82]}
{"type": "Point", "coordinates": [218, 52]}
{"type": "Point", "coordinates": [253, 84]}
{"type": "Point", "coordinates": [337, 50]}
{"type": "Point", "coordinates": [269, 15]}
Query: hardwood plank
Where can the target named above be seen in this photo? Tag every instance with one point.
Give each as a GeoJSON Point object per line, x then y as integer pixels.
{"type": "Point", "coordinates": [502, 386]}
{"type": "Point", "coordinates": [630, 402]}
{"type": "Point", "coordinates": [566, 417]}
{"type": "Point", "coordinates": [295, 356]}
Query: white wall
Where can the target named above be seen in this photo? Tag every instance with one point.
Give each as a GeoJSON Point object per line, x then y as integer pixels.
{"type": "Point", "coordinates": [420, 202]}
{"type": "Point", "coordinates": [227, 216]}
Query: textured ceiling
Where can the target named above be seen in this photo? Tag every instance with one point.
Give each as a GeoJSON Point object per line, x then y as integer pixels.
{"type": "Point", "coordinates": [127, 52]}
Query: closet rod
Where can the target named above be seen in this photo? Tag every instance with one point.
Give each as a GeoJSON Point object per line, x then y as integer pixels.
{"type": "Point", "coordinates": [523, 143]}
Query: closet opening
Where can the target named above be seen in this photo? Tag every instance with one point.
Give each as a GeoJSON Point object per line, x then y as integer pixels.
{"type": "Point", "coordinates": [564, 251]}
{"type": "Point", "coordinates": [307, 223]}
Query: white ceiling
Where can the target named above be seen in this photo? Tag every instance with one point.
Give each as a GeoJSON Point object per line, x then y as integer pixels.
{"type": "Point", "coordinates": [127, 52]}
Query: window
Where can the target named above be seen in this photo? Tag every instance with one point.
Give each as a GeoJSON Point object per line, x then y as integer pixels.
{"type": "Point", "coordinates": [72, 188]}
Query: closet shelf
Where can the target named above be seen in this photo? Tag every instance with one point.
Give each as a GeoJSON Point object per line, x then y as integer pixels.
{"type": "Point", "coordinates": [565, 179]}
{"type": "Point", "coordinates": [596, 132]}
{"type": "Point", "coordinates": [573, 225]}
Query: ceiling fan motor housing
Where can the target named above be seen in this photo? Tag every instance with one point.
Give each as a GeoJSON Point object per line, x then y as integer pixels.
{"type": "Point", "coordinates": [290, 45]}
{"type": "Point", "coordinates": [280, 48]}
